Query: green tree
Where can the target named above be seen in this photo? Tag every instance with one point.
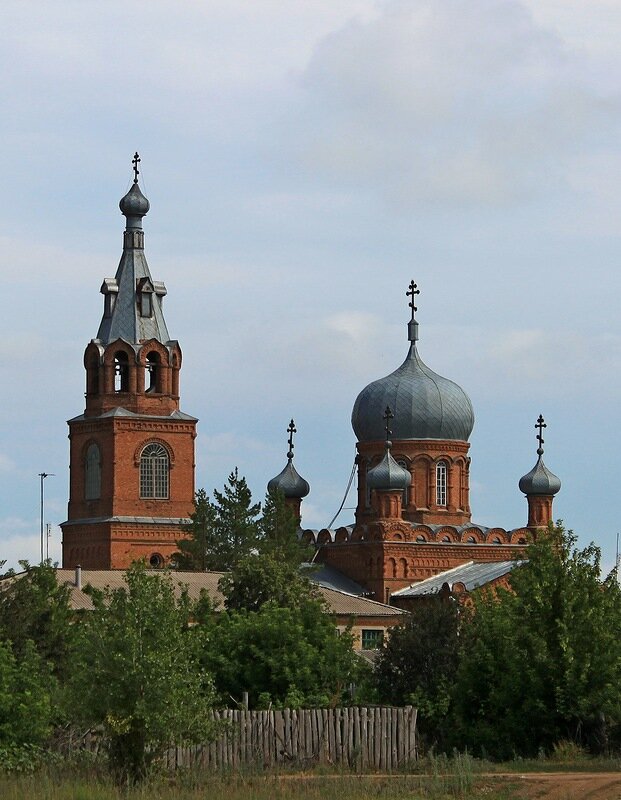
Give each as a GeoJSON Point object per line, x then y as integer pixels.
{"type": "Point", "coordinates": [139, 671]}
{"type": "Point", "coordinates": [26, 712]}
{"type": "Point", "coordinates": [223, 530]}
{"type": "Point", "coordinates": [197, 552]}
{"type": "Point", "coordinates": [542, 662]}
{"type": "Point", "coordinates": [34, 608]}
{"type": "Point", "coordinates": [418, 665]}
{"type": "Point", "coordinates": [289, 656]}
{"type": "Point", "coordinates": [278, 528]}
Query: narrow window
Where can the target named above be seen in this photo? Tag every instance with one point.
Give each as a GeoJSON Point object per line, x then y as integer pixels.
{"type": "Point", "coordinates": [441, 472]}
{"type": "Point", "coordinates": [146, 304]}
{"type": "Point", "coordinates": [92, 473]}
{"type": "Point", "coordinates": [154, 470]}
{"type": "Point", "coordinates": [372, 638]}
{"type": "Point", "coordinates": [121, 372]}
{"type": "Point", "coordinates": [406, 492]}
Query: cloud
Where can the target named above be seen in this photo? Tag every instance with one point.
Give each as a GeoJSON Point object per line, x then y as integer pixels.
{"type": "Point", "coordinates": [459, 102]}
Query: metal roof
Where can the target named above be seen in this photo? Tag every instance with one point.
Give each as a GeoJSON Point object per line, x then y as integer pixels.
{"type": "Point", "coordinates": [425, 405]}
{"type": "Point", "coordinates": [331, 578]}
{"type": "Point", "coordinates": [472, 574]}
{"type": "Point", "coordinates": [340, 603]}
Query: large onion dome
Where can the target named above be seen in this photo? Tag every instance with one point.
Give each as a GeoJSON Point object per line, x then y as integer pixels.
{"type": "Point", "coordinates": [425, 405]}
{"type": "Point", "coordinates": [289, 481]}
{"type": "Point", "coordinates": [540, 480]}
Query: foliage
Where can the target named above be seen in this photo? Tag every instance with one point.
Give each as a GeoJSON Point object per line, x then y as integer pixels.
{"type": "Point", "coordinates": [286, 656]}
{"type": "Point", "coordinates": [195, 552]}
{"type": "Point", "coordinates": [418, 664]}
{"type": "Point", "coordinates": [34, 607]}
{"type": "Point", "coordinates": [279, 527]}
{"type": "Point", "coordinates": [139, 673]}
{"type": "Point", "coordinates": [25, 701]}
{"type": "Point", "coordinates": [542, 663]}
{"type": "Point", "coordinates": [223, 530]}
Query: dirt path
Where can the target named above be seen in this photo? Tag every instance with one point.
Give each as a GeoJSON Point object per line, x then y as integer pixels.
{"type": "Point", "coordinates": [563, 785]}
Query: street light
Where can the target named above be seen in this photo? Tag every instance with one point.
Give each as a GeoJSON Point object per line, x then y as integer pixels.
{"type": "Point", "coordinates": [43, 476]}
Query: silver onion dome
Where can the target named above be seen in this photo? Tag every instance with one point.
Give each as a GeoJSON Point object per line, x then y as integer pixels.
{"type": "Point", "coordinates": [289, 481]}
{"type": "Point", "coordinates": [540, 480]}
{"type": "Point", "coordinates": [388, 475]}
{"type": "Point", "coordinates": [425, 405]}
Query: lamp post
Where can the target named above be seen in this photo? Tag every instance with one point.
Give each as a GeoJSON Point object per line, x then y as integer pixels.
{"type": "Point", "coordinates": [43, 476]}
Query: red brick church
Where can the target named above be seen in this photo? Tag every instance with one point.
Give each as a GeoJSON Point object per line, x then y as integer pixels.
{"type": "Point", "coordinates": [132, 456]}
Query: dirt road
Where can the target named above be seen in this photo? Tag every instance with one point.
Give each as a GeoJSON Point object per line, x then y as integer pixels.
{"type": "Point", "coordinates": [562, 785]}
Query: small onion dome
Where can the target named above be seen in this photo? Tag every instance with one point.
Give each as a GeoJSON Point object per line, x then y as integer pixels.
{"type": "Point", "coordinates": [134, 204]}
{"type": "Point", "coordinates": [289, 482]}
{"type": "Point", "coordinates": [425, 405]}
{"type": "Point", "coordinates": [388, 475]}
{"type": "Point", "coordinates": [540, 480]}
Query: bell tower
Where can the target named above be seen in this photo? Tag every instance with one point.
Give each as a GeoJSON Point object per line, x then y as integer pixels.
{"type": "Point", "coordinates": [132, 450]}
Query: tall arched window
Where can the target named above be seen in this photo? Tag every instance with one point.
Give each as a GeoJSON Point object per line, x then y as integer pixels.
{"type": "Point", "coordinates": [154, 469]}
{"type": "Point", "coordinates": [92, 473]}
{"type": "Point", "coordinates": [441, 474]}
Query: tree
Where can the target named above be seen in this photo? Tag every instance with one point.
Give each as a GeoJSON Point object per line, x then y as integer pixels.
{"type": "Point", "coordinates": [139, 671]}
{"type": "Point", "coordinates": [26, 711]}
{"type": "Point", "coordinates": [278, 529]}
{"type": "Point", "coordinates": [282, 656]}
{"type": "Point", "coordinates": [418, 665]}
{"type": "Point", "coordinates": [34, 607]}
{"type": "Point", "coordinates": [542, 662]}
{"type": "Point", "coordinates": [223, 530]}
{"type": "Point", "coordinates": [196, 552]}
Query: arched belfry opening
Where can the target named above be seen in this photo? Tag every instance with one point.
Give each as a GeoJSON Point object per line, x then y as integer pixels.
{"type": "Point", "coordinates": [132, 450]}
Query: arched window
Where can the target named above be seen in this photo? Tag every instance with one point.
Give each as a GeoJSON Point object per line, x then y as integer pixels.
{"type": "Point", "coordinates": [153, 372]}
{"type": "Point", "coordinates": [121, 372]}
{"type": "Point", "coordinates": [92, 473]}
{"type": "Point", "coordinates": [441, 473]}
{"type": "Point", "coordinates": [154, 469]}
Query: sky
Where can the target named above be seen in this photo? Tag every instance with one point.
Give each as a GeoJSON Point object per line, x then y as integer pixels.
{"type": "Point", "coordinates": [304, 161]}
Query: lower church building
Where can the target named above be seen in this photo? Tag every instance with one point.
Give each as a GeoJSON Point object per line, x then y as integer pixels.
{"type": "Point", "coordinates": [132, 459]}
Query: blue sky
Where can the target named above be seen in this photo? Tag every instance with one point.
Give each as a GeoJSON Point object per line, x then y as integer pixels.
{"type": "Point", "coordinates": [304, 161]}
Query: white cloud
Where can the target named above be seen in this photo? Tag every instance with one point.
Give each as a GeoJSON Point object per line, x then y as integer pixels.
{"type": "Point", "coordinates": [464, 101]}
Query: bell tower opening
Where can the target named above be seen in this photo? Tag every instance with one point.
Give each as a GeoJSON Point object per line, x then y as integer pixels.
{"type": "Point", "coordinates": [121, 372]}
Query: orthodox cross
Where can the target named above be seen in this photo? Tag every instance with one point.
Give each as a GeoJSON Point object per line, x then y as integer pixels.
{"type": "Point", "coordinates": [291, 430]}
{"type": "Point", "coordinates": [540, 424]}
{"type": "Point", "coordinates": [412, 292]}
{"type": "Point", "coordinates": [135, 162]}
{"type": "Point", "coordinates": [388, 415]}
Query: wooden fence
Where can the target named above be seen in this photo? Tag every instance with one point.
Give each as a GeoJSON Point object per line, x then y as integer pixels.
{"type": "Point", "coordinates": [378, 738]}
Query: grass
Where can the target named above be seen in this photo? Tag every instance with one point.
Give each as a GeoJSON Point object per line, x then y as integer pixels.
{"type": "Point", "coordinates": [459, 777]}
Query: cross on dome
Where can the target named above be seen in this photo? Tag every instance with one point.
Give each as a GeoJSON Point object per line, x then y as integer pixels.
{"type": "Point", "coordinates": [135, 162]}
{"type": "Point", "coordinates": [540, 424]}
{"type": "Point", "coordinates": [412, 292]}
{"type": "Point", "coordinates": [291, 430]}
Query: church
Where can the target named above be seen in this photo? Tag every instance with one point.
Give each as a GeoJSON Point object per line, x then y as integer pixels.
{"type": "Point", "coordinates": [132, 458]}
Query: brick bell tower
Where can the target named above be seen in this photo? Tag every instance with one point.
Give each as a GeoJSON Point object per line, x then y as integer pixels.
{"type": "Point", "coordinates": [132, 451]}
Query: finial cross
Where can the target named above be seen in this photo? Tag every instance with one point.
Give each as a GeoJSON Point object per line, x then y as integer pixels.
{"type": "Point", "coordinates": [135, 162]}
{"type": "Point", "coordinates": [291, 430]}
{"type": "Point", "coordinates": [540, 424]}
{"type": "Point", "coordinates": [388, 415]}
{"type": "Point", "coordinates": [412, 292]}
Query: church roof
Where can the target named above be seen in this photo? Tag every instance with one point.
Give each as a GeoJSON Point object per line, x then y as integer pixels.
{"type": "Point", "coordinates": [123, 318]}
{"type": "Point", "coordinates": [425, 405]}
{"type": "Point", "coordinates": [472, 574]}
